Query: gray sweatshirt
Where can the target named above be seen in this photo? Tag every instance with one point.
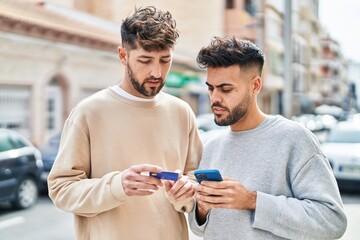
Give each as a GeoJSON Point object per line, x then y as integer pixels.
{"type": "Point", "coordinates": [297, 194]}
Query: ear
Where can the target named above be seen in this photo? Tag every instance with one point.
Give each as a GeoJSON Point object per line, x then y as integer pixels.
{"type": "Point", "coordinates": [257, 84]}
{"type": "Point", "coordinates": [122, 54]}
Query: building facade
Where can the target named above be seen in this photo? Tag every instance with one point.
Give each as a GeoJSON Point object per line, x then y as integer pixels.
{"type": "Point", "coordinates": [48, 63]}
{"type": "Point", "coordinates": [54, 53]}
{"type": "Point", "coordinates": [52, 56]}
{"type": "Point", "coordinates": [333, 67]}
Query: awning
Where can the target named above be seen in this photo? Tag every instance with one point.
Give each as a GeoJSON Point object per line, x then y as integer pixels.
{"type": "Point", "coordinates": [179, 80]}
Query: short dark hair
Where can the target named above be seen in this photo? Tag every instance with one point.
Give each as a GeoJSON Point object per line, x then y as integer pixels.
{"type": "Point", "coordinates": [149, 28]}
{"type": "Point", "coordinates": [228, 51]}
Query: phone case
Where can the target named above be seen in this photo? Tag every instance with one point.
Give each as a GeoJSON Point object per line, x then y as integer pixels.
{"type": "Point", "coordinates": [208, 175]}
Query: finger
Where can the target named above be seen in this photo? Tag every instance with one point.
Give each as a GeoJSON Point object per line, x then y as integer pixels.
{"type": "Point", "coordinates": [210, 199]}
{"type": "Point", "coordinates": [136, 177]}
{"type": "Point", "coordinates": [168, 185]}
{"type": "Point", "coordinates": [206, 190]}
{"type": "Point", "coordinates": [229, 179]}
{"type": "Point", "coordinates": [179, 172]}
{"type": "Point", "coordinates": [213, 184]}
{"type": "Point", "coordinates": [188, 194]}
{"type": "Point", "coordinates": [202, 205]}
{"type": "Point", "coordinates": [185, 192]}
{"type": "Point", "coordinates": [178, 185]}
{"type": "Point", "coordinates": [129, 178]}
{"type": "Point", "coordinates": [146, 168]}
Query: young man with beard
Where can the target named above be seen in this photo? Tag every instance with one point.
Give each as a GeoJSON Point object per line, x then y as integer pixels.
{"type": "Point", "coordinates": [113, 137]}
{"type": "Point", "coordinates": [277, 182]}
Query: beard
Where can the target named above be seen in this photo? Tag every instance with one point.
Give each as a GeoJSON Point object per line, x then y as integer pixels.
{"type": "Point", "coordinates": [235, 114]}
{"type": "Point", "coordinates": [141, 88]}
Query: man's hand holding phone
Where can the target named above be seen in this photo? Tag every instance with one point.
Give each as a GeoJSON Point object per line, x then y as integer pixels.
{"type": "Point", "coordinates": [227, 193]}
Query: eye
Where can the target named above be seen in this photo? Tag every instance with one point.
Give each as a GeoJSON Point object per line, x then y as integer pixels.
{"type": "Point", "coordinates": [226, 90]}
{"type": "Point", "coordinates": [144, 62]}
{"type": "Point", "coordinates": [167, 60]}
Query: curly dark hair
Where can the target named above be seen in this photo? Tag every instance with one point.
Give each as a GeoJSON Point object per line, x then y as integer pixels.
{"type": "Point", "coordinates": [227, 51]}
{"type": "Point", "coordinates": [150, 29]}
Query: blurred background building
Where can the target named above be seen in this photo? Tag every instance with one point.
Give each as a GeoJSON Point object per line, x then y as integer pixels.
{"type": "Point", "coordinates": [54, 53]}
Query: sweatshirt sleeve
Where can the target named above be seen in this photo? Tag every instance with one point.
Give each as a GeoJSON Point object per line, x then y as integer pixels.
{"type": "Point", "coordinates": [193, 223]}
{"type": "Point", "coordinates": [70, 187]}
{"type": "Point", "coordinates": [315, 211]}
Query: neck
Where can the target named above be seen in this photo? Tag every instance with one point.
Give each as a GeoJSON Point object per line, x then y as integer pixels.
{"type": "Point", "coordinates": [251, 120]}
{"type": "Point", "coordinates": [126, 85]}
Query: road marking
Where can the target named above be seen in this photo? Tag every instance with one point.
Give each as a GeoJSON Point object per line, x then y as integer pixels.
{"type": "Point", "coordinates": [11, 222]}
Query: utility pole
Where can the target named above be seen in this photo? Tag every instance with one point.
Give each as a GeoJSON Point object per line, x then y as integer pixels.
{"type": "Point", "coordinates": [287, 97]}
{"type": "Point", "coordinates": [260, 23]}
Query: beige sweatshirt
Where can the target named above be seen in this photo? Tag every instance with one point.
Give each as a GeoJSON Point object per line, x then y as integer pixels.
{"type": "Point", "coordinates": [106, 134]}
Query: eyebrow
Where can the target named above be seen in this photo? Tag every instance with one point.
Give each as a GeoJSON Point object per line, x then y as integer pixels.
{"type": "Point", "coordinates": [220, 85]}
{"type": "Point", "coordinates": [150, 57]}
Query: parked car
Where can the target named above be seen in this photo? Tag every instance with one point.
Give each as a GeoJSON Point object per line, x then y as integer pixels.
{"type": "Point", "coordinates": [355, 117]}
{"type": "Point", "coordinates": [20, 170]}
{"type": "Point", "coordinates": [207, 126]}
{"type": "Point", "coordinates": [49, 152]}
{"type": "Point", "coordinates": [311, 121]}
{"type": "Point", "coordinates": [342, 148]}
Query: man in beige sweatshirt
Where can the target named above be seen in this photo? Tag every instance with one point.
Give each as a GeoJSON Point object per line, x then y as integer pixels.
{"type": "Point", "coordinates": [112, 137]}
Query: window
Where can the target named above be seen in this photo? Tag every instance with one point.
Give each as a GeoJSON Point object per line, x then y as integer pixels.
{"type": "Point", "coordinates": [249, 7]}
{"type": "Point", "coordinates": [277, 62]}
{"type": "Point", "coordinates": [15, 108]}
{"type": "Point", "coordinates": [5, 143]}
{"type": "Point", "coordinates": [229, 4]}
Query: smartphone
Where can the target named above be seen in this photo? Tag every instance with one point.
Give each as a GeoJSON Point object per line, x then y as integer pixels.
{"type": "Point", "coordinates": [208, 175]}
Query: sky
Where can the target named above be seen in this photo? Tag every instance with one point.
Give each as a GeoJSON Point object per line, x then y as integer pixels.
{"type": "Point", "coordinates": [341, 18]}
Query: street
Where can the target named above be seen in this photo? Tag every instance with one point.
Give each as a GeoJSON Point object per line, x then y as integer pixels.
{"type": "Point", "coordinates": [44, 221]}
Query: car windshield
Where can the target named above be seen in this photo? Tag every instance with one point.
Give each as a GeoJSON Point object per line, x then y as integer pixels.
{"type": "Point", "coordinates": [5, 143]}
{"type": "Point", "coordinates": [344, 136]}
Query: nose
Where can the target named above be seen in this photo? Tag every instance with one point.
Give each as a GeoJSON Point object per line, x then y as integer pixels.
{"type": "Point", "coordinates": [155, 71]}
{"type": "Point", "coordinates": [215, 96]}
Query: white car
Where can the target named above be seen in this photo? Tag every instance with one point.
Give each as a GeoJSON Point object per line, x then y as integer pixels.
{"type": "Point", "coordinates": [342, 148]}
{"type": "Point", "coordinates": [207, 126]}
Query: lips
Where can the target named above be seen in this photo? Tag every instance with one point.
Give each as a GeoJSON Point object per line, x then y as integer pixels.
{"type": "Point", "coordinates": [153, 82]}
{"type": "Point", "coordinates": [218, 110]}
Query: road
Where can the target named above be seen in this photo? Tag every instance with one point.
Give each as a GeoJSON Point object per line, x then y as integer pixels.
{"type": "Point", "coordinates": [44, 221]}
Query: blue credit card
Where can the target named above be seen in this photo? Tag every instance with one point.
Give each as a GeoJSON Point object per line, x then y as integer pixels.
{"type": "Point", "coordinates": [174, 176]}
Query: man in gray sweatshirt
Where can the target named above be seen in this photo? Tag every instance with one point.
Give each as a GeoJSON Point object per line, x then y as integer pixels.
{"type": "Point", "coordinates": [277, 182]}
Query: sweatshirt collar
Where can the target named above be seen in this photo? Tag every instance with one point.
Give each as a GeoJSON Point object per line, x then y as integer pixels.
{"type": "Point", "coordinates": [136, 103]}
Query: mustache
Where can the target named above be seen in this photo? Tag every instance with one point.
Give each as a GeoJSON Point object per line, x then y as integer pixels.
{"type": "Point", "coordinates": [216, 104]}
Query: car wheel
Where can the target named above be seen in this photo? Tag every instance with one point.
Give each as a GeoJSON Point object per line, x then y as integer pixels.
{"type": "Point", "coordinates": [26, 194]}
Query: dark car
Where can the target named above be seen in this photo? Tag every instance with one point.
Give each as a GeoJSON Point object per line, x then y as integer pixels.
{"type": "Point", "coordinates": [48, 153]}
{"type": "Point", "coordinates": [20, 170]}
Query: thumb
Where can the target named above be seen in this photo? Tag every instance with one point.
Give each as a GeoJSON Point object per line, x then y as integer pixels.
{"type": "Point", "coordinates": [230, 179]}
{"type": "Point", "coordinates": [179, 172]}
